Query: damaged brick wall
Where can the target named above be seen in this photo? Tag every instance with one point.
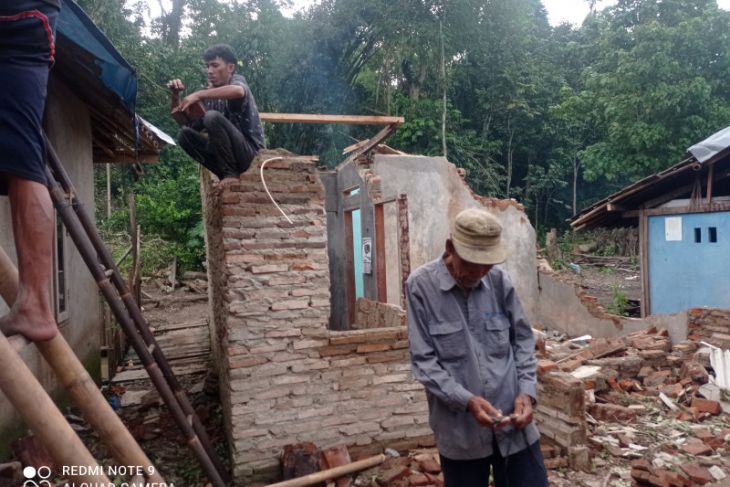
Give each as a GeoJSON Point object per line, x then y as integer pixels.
{"type": "Point", "coordinates": [374, 314]}
{"type": "Point", "coordinates": [285, 377]}
{"type": "Point", "coordinates": [560, 415]}
{"type": "Point", "coordinates": [710, 325]}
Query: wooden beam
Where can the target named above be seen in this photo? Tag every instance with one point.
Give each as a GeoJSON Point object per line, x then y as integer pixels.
{"type": "Point", "coordinates": [710, 173]}
{"type": "Point", "coordinates": [614, 207]}
{"type": "Point", "coordinates": [322, 119]}
{"type": "Point", "coordinates": [687, 188]}
{"type": "Point", "coordinates": [714, 207]}
{"type": "Point", "coordinates": [380, 254]}
{"type": "Point", "coordinates": [371, 143]}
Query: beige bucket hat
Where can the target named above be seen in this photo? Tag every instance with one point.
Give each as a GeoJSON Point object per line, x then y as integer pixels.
{"type": "Point", "coordinates": [477, 237]}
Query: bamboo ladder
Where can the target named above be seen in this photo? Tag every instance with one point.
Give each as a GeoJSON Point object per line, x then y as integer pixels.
{"type": "Point", "coordinates": [98, 259]}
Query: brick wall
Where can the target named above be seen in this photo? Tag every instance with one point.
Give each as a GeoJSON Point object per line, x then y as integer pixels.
{"type": "Point", "coordinates": [285, 377]}
{"type": "Point", "coordinates": [374, 314]}
{"type": "Point", "coordinates": [560, 414]}
{"type": "Point", "coordinates": [710, 325]}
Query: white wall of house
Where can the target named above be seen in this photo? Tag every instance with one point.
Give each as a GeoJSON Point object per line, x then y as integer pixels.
{"type": "Point", "coordinates": [69, 129]}
{"type": "Point", "coordinates": [436, 194]}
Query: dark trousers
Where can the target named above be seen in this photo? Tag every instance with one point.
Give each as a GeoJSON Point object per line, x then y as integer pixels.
{"type": "Point", "coordinates": [522, 469]}
{"type": "Point", "coordinates": [223, 149]}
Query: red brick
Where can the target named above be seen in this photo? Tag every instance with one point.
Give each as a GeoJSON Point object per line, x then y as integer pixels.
{"type": "Point", "coordinates": [641, 464]}
{"type": "Point", "coordinates": [696, 447]}
{"type": "Point", "coordinates": [672, 390]}
{"type": "Point", "coordinates": [373, 347]}
{"type": "Point", "coordinates": [430, 465]}
{"type": "Point", "coordinates": [603, 412]}
{"type": "Point", "coordinates": [247, 362]}
{"type": "Point", "coordinates": [707, 406]}
{"type": "Point", "coordinates": [697, 473]}
{"type": "Point", "coordinates": [545, 366]}
{"type": "Point", "coordinates": [418, 479]}
{"type": "Point", "coordinates": [657, 378]}
{"type": "Point", "coordinates": [392, 474]}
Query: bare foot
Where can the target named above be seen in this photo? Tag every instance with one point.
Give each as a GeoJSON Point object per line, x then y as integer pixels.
{"type": "Point", "coordinates": [32, 326]}
{"type": "Point", "coordinates": [225, 183]}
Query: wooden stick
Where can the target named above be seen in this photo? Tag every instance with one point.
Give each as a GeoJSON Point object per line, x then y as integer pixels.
{"type": "Point", "coordinates": [8, 279]}
{"type": "Point", "coordinates": [332, 473]}
{"type": "Point", "coordinates": [320, 118]}
{"type": "Point", "coordinates": [73, 376]}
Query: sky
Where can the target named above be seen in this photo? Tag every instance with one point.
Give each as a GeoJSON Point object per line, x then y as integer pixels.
{"type": "Point", "coordinates": [572, 11]}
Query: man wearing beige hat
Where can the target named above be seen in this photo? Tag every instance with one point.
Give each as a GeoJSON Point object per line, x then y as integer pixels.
{"type": "Point", "coordinates": [473, 350]}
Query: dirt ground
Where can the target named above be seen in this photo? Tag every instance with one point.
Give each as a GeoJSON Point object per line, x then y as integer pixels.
{"type": "Point", "coordinates": [179, 321]}
{"type": "Point", "coordinates": [605, 281]}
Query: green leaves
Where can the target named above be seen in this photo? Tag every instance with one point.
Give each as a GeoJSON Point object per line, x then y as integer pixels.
{"type": "Point", "coordinates": [557, 116]}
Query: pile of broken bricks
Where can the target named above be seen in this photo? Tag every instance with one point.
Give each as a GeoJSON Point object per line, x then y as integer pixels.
{"type": "Point", "coordinates": [653, 415]}
{"type": "Point", "coordinates": [421, 468]}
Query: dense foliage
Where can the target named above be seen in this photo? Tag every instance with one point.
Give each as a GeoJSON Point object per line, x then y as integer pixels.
{"type": "Point", "coordinates": [557, 117]}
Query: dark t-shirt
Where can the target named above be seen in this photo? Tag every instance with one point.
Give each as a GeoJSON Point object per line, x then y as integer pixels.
{"type": "Point", "coordinates": [242, 112]}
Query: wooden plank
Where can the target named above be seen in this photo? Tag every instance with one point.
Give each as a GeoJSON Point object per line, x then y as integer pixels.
{"type": "Point", "coordinates": [380, 254]}
{"type": "Point", "coordinates": [644, 267]}
{"type": "Point", "coordinates": [615, 207]}
{"type": "Point", "coordinates": [325, 118]}
{"type": "Point", "coordinates": [354, 146]}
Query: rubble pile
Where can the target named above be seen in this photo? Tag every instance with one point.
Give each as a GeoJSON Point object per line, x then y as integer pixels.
{"type": "Point", "coordinates": [653, 414]}
{"type": "Point", "coordinates": [421, 468]}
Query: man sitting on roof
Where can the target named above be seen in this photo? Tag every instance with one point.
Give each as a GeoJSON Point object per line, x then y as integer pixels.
{"type": "Point", "coordinates": [26, 54]}
{"type": "Point", "coordinates": [226, 139]}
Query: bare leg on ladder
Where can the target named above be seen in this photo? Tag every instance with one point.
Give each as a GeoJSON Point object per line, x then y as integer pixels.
{"type": "Point", "coordinates": [32, 213]}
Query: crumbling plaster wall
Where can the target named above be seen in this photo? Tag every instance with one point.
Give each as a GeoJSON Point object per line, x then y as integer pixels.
{"type": "Point", "coordinates": [564, 307]}
{"type": "Point", "coordinates": [69, 129]}
{"type": "Point", "coordinates": [436, 193]}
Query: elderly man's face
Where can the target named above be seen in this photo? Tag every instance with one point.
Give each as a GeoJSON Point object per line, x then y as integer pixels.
{"type": "Point", "coordinates": [466, 274]}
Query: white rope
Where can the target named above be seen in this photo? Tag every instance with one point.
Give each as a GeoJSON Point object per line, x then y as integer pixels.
{"type": "Point", "coordinates": [267, 189]}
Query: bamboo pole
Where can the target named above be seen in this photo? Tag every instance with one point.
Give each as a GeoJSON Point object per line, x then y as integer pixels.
{"type": "Point", "coordinates": [76, 380]}
{"type": "Point", "coordinates": [32, 402]}
{"type": "Point", "coordinates": [8, 278]}
{"type": "Point", "coordinates": [43, 417]}
{"type": "Point", "coordinates": [332, 473]}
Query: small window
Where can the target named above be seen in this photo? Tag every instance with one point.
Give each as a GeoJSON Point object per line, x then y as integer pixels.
{"type": "Point", "coordinates": [60, 278]}
{"type": "Point", "coordinates": [698, 235]}
{"type": "Point", "coordinates": [712, 234]}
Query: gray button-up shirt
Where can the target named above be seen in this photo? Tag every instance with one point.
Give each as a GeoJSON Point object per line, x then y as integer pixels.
{"type": "Point", "coordinates": [462, 345]}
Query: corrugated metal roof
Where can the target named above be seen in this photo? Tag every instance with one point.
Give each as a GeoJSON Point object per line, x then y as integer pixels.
{"type": "Point", "coordinates": [711, 146]}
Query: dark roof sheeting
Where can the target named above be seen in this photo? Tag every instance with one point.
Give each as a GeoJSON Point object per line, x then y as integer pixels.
{"type": "Point", "coordinates": [90, 65]}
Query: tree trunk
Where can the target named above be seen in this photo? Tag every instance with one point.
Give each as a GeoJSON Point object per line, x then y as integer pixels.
{"type": "Point", "coordinates": [443, 79]}
{"type": "Point", "coordinates": [510, 151]}
{"type": "Point", "coordinates": [576, 168]}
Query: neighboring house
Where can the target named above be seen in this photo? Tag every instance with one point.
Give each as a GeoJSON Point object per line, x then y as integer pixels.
{"type": "Point", "coordinates": [683, 215]}
{"type": "Point", "coordinates": [89, 119]}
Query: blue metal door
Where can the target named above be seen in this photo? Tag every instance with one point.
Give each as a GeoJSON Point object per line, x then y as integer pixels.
{"type": "Point", "coordinates": [689, 261]}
